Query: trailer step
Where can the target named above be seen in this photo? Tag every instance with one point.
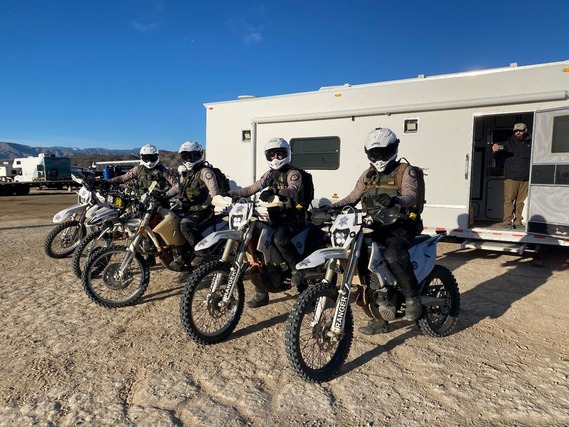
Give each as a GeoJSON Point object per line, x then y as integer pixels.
{"type": "Point", "coordinates": [518, 248]}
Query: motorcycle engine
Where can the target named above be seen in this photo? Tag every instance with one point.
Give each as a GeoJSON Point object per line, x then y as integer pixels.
{"type": "Point", "coordinates": [386, 302]}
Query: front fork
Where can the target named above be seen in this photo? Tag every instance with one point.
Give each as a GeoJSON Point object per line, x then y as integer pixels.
{"type": "Point", "coordinates": [344, 292]}
{"type": "Point", "coordinates": [236, 268]}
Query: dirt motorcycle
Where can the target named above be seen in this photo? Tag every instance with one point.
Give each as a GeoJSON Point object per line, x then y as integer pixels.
{"type": "Point", "coordinates": [319, 329]}
{"type": "Point", "coordinates": [213, 298]}
{"type": "Point", "coordinates": [110, 225]}
{"type": "Point", "coordinates": [119, 275]}
{"type": "Point", "coordinates": [71, 228]}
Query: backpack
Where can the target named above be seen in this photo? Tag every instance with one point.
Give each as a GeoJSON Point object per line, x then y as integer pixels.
{"type": "Point", "coordinates": [420, 175]}
{"type": "Point", "coordinates": [222, 181]}
{"type": "Point", "coordinates": [307, 188]}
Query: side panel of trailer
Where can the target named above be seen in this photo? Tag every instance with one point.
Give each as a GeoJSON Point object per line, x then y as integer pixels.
{"type": "Point", "coordinates": [446, 125]}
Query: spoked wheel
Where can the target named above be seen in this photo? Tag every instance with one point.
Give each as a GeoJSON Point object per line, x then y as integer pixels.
{"type": "Point", "coordinates": [63, 239]}
{"type": "Point", "coordinates": [439, 320]}
{"type": "Point", "coordinates": [313, 350]}
{"type": "Point", "coordinates": [97, 239]}
{"type": "Point", "coordinates": [204, 315]}
{"type": "Point", "coordinates": [115, 277]}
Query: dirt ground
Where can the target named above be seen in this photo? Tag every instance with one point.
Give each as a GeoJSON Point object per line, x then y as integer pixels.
{"type": "Point", "coordinates": [66, 361]}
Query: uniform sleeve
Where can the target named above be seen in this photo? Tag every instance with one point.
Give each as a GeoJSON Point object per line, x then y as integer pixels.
{"type": "Point", "coordinates": [354, 197]}
{"type": "Point", "coordinates": [252, 189]}
{"type": "Point", "coordinates": [169, 177]}
{"type": "Point", "coordinates": [294, 184]}
{"type": "Point", "coordinates": [209, 179]}
{"type": "Point", "coordinates": [129, 176]}
{"type": "Point", "coordinates": [409, 189]}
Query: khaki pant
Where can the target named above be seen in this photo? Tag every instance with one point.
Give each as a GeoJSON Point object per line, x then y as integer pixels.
{"type": "Point", "coordinates": [515, 193]}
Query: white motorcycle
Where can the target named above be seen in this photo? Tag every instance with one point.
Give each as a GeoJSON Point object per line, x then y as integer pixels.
{"type": "Point", "coordinates": [71, 228]}
{"type": "Point", "coordinates": [319, 329]}
{"type": "Point", "coordinates": [111, 225]}
{"type": "Point", "coordinates": [213, 299]}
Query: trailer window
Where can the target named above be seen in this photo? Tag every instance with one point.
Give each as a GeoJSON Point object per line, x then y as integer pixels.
{"type": "Point", "coordinates": [560, 138]}
{"type": "Point", "coordinates": [320, 153]}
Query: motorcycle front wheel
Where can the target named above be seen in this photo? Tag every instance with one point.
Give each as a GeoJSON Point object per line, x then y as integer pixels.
{"type": "Point", "coordinates": [312, 350]}
{"type": "Point", "coordinates": [205, 317]}
{"type": "Point", "coordinates": [439, 320]}
{"type": "Point", "coordinates": [63, 239]}
{"type": "Point", "coordinates": [113, 280]}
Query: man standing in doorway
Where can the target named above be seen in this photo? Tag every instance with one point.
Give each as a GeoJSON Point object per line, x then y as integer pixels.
{"type": "Point", "coordinates": [516, 153]}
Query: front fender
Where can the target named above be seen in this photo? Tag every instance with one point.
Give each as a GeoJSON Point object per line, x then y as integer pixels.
{"type": "Point", "coordinates": [211, 239]}
{"type": "Point", "coordinates": [320, 256]}
{"type": "Point", "coordinates": [63, 214]}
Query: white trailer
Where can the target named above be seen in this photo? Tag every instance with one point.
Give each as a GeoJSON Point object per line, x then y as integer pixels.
{"type": "Point", "coordinates": [446, 125]}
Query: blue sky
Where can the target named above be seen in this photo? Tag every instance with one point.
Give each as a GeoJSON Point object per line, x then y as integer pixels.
{"type": "Point", "coordinates": [124, 73]}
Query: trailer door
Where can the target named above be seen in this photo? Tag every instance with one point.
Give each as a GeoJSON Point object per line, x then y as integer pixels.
{"type": "Point", "coordinates": [548, 200]}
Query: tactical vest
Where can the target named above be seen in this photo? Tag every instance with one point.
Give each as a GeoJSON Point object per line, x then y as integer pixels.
{"type": "Point", "coordinates": [278, 179]}
{"type": "Point", "coordinates": [146, 176]}
{"type": "Point", "coordinates": [194, 192]}
{"type": "Point", "coordinates": [377, 183]}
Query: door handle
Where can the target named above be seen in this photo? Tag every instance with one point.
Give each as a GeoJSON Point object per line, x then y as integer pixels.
{"type": "Point", "coordinates": [466, 166]}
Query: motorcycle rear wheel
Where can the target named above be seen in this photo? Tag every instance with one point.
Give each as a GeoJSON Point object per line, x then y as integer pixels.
{"type": "Point", "coordinates": [102, 280]}
{"type": "Point", "coordinates": [203, 319]}
{"type": "Point", "coordinates": [312, 352]}
{"type": "Point", "coordinates": [63, 239]}
{"type": "Point", "coordinates": [439, 321]}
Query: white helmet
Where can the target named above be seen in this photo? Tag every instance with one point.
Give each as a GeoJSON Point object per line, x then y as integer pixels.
{"type": "Point", "coordinates": [277, 153]}
{"type": "Point", "coordinates": [149, 156]}
{"type": "Point", "coordinates": [191, 153]}
{"type": "Point", "coordinates": [381, 147]}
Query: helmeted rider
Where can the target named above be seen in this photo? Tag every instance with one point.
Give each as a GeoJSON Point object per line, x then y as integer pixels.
{"type": "Point", "coordinates": [150, 169]}
{"type": "Point", "coordinates": [197, 186]}
{"type": "Point", "coordinates": [376, 187]}
{"type": "Point", "coordinates": [285, 181]}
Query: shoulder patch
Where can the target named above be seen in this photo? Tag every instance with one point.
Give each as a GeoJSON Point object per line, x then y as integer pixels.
{"type": "Point", "coordinates": [412, 172]}
{"type": "Point", "coordinates": [208, 175]}
{"type": "Point", "coordinates": [294, 176]}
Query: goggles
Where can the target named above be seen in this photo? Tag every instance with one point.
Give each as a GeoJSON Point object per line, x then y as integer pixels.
{"type": "Point", "coordinates": [149, 157]}
{"type": "Point", "coordinates": [279, 153]}
{"type": "Point", "coordinates": [378, 153]}
{"type": "Point", "coordinates": [191, 156]}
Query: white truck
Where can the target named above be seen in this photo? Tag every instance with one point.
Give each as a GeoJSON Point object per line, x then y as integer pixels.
{"type": "Point", "coordinates": [40, 171]}
{"type": "Point", "coordinates": [446, 124]}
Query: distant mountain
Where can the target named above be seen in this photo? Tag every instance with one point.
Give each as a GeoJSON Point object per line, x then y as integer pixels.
{"type": "Point", "coordinates": [9, 150]}
{"type": "Point", "coordinates": [81, 156]}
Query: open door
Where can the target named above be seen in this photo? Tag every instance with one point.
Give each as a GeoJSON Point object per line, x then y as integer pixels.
{"type": "Point", "coordinates": [548, 199]}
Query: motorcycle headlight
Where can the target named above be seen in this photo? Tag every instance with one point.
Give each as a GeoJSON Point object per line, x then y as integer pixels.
{"type": "Point", "coordinates": [236, 221]}
{"type": "Point", "coordinates": [340, 237]}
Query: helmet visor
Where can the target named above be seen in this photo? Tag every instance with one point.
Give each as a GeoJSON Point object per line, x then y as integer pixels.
{"type": "Point", "coordinates": [149, 158]}
{"type": "Point", "coordinates": [279, 153]}
{"type": "Point", "coordinates": [191, 156]}
{"type": "Point", "coordinates": [381, 153]}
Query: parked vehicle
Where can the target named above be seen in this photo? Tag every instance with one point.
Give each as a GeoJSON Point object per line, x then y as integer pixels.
{"type": "Point", "coordinates": [72, 221]}
{"type": "Point", "coordinates": [110, 225]}
{"type": "Point", "coordinates": [118, 276]}
{"type": "Point", "coordinates": [213, 298]}
{"type": "Point", "coordinates": [319, 329]}
{"type": "Point", "coordinates": [447, 125]}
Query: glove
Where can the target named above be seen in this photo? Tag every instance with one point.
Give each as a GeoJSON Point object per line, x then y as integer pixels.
{"type": "Point", "coordinates": [325, 208]}
{"type": "Point", "coordinates": [384, 200]}
{"type": "Point", "coordinates": [105, 185]}
{"type": "Point", "coordinates": [267, 194]}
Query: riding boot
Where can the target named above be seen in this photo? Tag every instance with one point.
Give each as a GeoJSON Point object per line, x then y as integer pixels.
{"type": "Point", "coordinates": [259, 300]}
{"type": "Point", "coordinates": [375, 326]}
